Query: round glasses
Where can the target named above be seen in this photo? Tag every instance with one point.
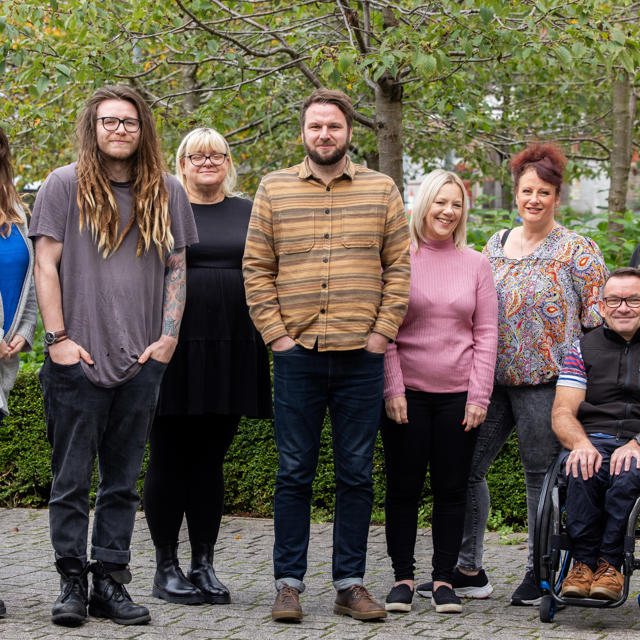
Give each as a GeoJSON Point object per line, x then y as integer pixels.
{"type": "Point", "coordinates": [613, 302]}
{"type": "Point", "coordinates": [111, 123]}
{"type": "Point", "coordinates": [198, 159]}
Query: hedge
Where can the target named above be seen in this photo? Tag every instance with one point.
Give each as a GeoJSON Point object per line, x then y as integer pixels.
{"type": "Point", "coordinates": [250, 467]}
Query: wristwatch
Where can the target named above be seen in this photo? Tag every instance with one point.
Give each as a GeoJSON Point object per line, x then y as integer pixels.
{"type": "Point", "coordinates": [51, 337]}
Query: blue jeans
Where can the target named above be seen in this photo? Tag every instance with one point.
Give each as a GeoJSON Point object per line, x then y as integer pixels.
{"type": "Point", "coordinates": [598, 508]}
{"type": "Point", "coordinates": [529, 409]}
{"type": "Point", "coordinates": [84, 420]}
{"type": "Point", "coordinates": [306, 382]}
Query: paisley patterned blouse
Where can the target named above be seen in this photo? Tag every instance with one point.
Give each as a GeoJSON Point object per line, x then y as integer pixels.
{"type": "Point", "coordinates": [543, 301]}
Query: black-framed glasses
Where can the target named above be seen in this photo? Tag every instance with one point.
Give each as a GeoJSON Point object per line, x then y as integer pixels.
{"type": "Point", "coordinates": [111, 123]}
{"type": "Point", "coordinates": [613, 302]}
{"type": "Point", "coordinates": [198, 159]}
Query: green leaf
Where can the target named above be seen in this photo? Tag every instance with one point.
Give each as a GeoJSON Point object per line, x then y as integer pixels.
{"type": "Point", "coordinates": [42, 84]}
{"type": "Point", "coordinates": [425, 63]}
{"type": "Point", "coordinates": [63, 69]}
{"type": "Point", "coordinates": [486, 14]}
{"type": "Point", "coordinates": [345, 62]}
{"type": "Point", "coordinates": [618, 36]}
{"type": "Point", "coordinates": [563, 55]}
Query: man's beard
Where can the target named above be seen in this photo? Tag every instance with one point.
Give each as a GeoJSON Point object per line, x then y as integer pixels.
{"type": "Point", "coordinates": [333, 158]}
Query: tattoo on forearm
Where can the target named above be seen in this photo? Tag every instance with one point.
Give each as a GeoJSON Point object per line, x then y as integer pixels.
{"type": "Point", "coordinates": [175, 290]}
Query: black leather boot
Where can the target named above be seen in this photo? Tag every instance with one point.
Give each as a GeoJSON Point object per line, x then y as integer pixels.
{"type": "Point", "coordinates": [3, 609]}
{"type": "Point", "coordinates": [203, 575]}
{"type": "Point", "coordinates": [110, 599]}
{"type": "Point", "coordinates": [170, 583]}
{"type": "Point", "coordinates": [70, 609]}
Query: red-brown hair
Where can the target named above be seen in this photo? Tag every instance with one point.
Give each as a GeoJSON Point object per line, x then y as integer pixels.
{"type": "Point", "coordinates": [547, 158]}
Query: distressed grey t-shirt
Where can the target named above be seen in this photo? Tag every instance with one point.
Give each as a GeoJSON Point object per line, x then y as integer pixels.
{"type": "Point", "coordinates": [112, 307]}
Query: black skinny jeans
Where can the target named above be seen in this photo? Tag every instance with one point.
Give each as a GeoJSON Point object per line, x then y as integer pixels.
{"type": "Point", "coordinates": [184, 476]}
{"type": "Point", "coordinates": [434, 436]}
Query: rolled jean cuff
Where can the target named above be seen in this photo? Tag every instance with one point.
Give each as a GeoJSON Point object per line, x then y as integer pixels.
{"type": "Point", "coordinates": [82, 559]}
{"type": "Point", "coordinates": [345, 583]}
{"type": "Point", "coordinates": [111, 555]}
{"type": "Point", "coordinates": [291, 582]}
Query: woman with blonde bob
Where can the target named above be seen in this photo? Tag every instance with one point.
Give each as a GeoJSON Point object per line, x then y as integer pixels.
{"type": "Point", "coordinates": [219, 372]}
{"type": "Point", "coordinates": [438, 380]}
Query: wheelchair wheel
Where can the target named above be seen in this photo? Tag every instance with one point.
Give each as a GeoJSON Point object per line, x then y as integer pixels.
{"type": "Point", "coordinates": [547, 608]}
{"type": "Point", "coordinates": [547, 524]}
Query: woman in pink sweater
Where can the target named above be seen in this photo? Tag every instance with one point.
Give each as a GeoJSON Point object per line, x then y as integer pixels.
{"type": "Point", "coordinates": [438, 380]}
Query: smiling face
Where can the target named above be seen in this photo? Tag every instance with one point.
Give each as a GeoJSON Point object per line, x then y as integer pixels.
{"type": "Point", "coordinates": [208, 177]}
{"type": "Point", "coordinates": [445, 213]}
{"type": "Point", "coordinates": [623, 320]}
{"type": "Point", "coordinates": [536, 199]}
{"type": "Point", "coordinates": [118, 145]}
{"type": "Point", "coordinates": [325, 134]}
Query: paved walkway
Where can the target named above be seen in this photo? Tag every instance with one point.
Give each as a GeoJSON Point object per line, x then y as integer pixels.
{"type": "Point", "coordinates": [29, 585]}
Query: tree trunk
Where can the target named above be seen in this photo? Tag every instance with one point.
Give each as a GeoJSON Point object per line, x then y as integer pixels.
{"type": "Point", "coordinates": [191, 101]}
{"type": "Point", "coordinates": [389, 128]}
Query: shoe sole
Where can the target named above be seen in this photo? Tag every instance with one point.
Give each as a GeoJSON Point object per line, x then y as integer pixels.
{"type": "Point", "coordinates": [286, 616]}
{"type": "Point", "coordinates": [217, 599]}
{"type": "Point", "coordinates": [157, 592]}
{"type": "Point", "coordinates": [600, 593]}
{"type": "Point", "coordinates": [474, 593]}
{"type": "Point", "coordinates": [96, 613]}
{"type": "Point", "coordinates": [574, 592]}
{"type": "Point", "coordinates": [359, 615]}
{"type": "Point", "coordinates": [68, 619]}
{"type": "Point", "coordinates": [526, 603]}
{"type": "Point", "coordinates": [403, 607]}
{"type": "Point", "coordinates": [449, 607]}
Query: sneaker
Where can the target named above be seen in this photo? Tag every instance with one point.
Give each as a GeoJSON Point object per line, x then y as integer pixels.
{"type": "Point", "coordinates": [477, 586]}
{"type": "Point", "coordinates": [399, 598]}
{"type": "Point", "coordinates": [607, 582]}
{"type": "Point", "coordinates": [287, 605]}
{"type": "Point", "coordinates": [578, 581]}
{"type": "Point", "coordinates": [445, 600]}
{"type": "Point", "coordinates": [528, 594]}
{"type": "Point", "coordinates": [358, 603]}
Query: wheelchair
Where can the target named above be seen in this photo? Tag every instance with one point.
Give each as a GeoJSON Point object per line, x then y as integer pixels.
{"type": "Point", "coordinates": [552, 552]}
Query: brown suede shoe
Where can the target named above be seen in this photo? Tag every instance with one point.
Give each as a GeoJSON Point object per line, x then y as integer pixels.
{"type": "Point", "coordinates": [607, 582]}
{"type": "Point", "coordinates": [358, 603]}
{"type": "Point", "coordinates": [578, 581]}
{"type": "Point", "coordinates": [287, 606]}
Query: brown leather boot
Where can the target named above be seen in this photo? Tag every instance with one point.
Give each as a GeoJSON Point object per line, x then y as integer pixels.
{"type": "Point", "coordinates": [578, 581]}
{"type": "Point", "coordinates": [607, 582]}
{"type": "Point", "coordinates": [358, 603]}
{"type": "Point", "coordinates": [287, 605]}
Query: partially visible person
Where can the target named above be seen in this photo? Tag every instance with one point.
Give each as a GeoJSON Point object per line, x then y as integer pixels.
{"type": "Point", "coordinates": [596, 417]}
{"type": "Point", "coordinates": [111, 230]}
{"type": "Point", "coordinates": [326, 271]}
{"type": "Point", "coordinates": [548, 280]}
{"type": "Point", "coordinates": [219, 372]}
{"type": "Point", "coordinates": [635, 258]}
{"type": "Point", "coordinates": [18, 312]}
{"type": "Point", "coordinates": [438, 380]}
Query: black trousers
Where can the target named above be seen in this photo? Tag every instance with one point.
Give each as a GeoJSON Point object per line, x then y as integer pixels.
{"type": "Point", "coordinates": [184, 476]}
{"type": "Point", "coordinates": [434, 437]}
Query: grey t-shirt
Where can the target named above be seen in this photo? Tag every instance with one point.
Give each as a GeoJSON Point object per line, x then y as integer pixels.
{"type": "Point", "coordinates": [112, 307]}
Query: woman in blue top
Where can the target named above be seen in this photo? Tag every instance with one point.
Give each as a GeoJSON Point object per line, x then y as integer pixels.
{"type": "Point", "coordinates": [18, 311]}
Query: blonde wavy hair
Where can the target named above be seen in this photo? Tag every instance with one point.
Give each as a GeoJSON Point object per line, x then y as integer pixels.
{"type": "Point", "coordinates": [96, 202]}
{"type": "Point", "coordinates": [11, 209]}
{"type": "Point", "coordinates": [425, 197]}
{"type": "Point", "coordinates": [203, 140]}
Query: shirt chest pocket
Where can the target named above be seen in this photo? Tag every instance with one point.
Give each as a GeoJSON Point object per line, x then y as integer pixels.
{"type": "Point", "coordinates": [294, 231]}
{"type": "Point", "coordinates": [362, 226]}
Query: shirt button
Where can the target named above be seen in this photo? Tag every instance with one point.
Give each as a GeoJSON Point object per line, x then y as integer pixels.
{"type": "Point", "coordinates": [325, 259]}
{"type": "Point", "coordinates": [321, 310]}
{"type": "Point", "coordinates": [324, 285]}
{"type": "Point", "coordinates": [326, 235]}
{"type": "Point", "coordinates": [326, 210]}
{"type": "Point", "coordinates": [328, 188]}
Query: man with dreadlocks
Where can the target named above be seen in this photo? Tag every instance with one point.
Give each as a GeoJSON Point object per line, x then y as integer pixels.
{"type": "Point", "coordinates": [110, 234]}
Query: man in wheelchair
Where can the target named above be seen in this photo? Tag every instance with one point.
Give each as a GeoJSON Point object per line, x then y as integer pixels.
{"type": "Point", "coordinates": [596, 417]}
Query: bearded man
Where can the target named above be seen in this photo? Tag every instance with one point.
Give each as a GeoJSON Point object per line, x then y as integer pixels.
{"type": "Point", "coordinates": [326, 269]}
{"type": "Point", "coordinates": [110, 234]}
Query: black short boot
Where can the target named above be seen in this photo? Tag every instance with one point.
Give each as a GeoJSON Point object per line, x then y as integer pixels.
{"type": "Point", "coordinates": [70, 609]}
{"type": "Point", "coordinates": [3, 609]}
{"type": "Point", "coordinates": [110, 599]}
{"type": "Point", "coordinates": [203, 575]}
{"type": "Point", "coordinates": [170, 583]}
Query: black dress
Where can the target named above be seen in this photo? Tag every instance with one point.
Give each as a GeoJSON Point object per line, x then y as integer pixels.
{"type": "Point", "coordinates": [220, 364]}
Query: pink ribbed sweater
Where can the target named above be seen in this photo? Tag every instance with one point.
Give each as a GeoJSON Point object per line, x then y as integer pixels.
{"type": "Point", "coordinates": [448, 340]}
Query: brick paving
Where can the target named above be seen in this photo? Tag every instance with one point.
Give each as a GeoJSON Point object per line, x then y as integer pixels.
{"type": "Point", "coordinates": [29, 585]}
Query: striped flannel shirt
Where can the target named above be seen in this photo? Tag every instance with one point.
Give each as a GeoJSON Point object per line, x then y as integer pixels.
{"type": "Point", "coordinates": [327, 264]}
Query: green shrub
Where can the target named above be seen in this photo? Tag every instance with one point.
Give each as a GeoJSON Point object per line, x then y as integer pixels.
{"type": "Point", "coordinates": [250, 467]}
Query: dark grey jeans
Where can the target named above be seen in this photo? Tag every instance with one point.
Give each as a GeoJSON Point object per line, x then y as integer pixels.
{"type": "Point", "coordinates": [528, 409]}
{"type": "Point", "coordinates": [83, 421]}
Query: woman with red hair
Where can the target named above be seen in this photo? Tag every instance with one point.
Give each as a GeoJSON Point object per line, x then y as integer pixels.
{"type": "Point", "coordinates": [548, 281]}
